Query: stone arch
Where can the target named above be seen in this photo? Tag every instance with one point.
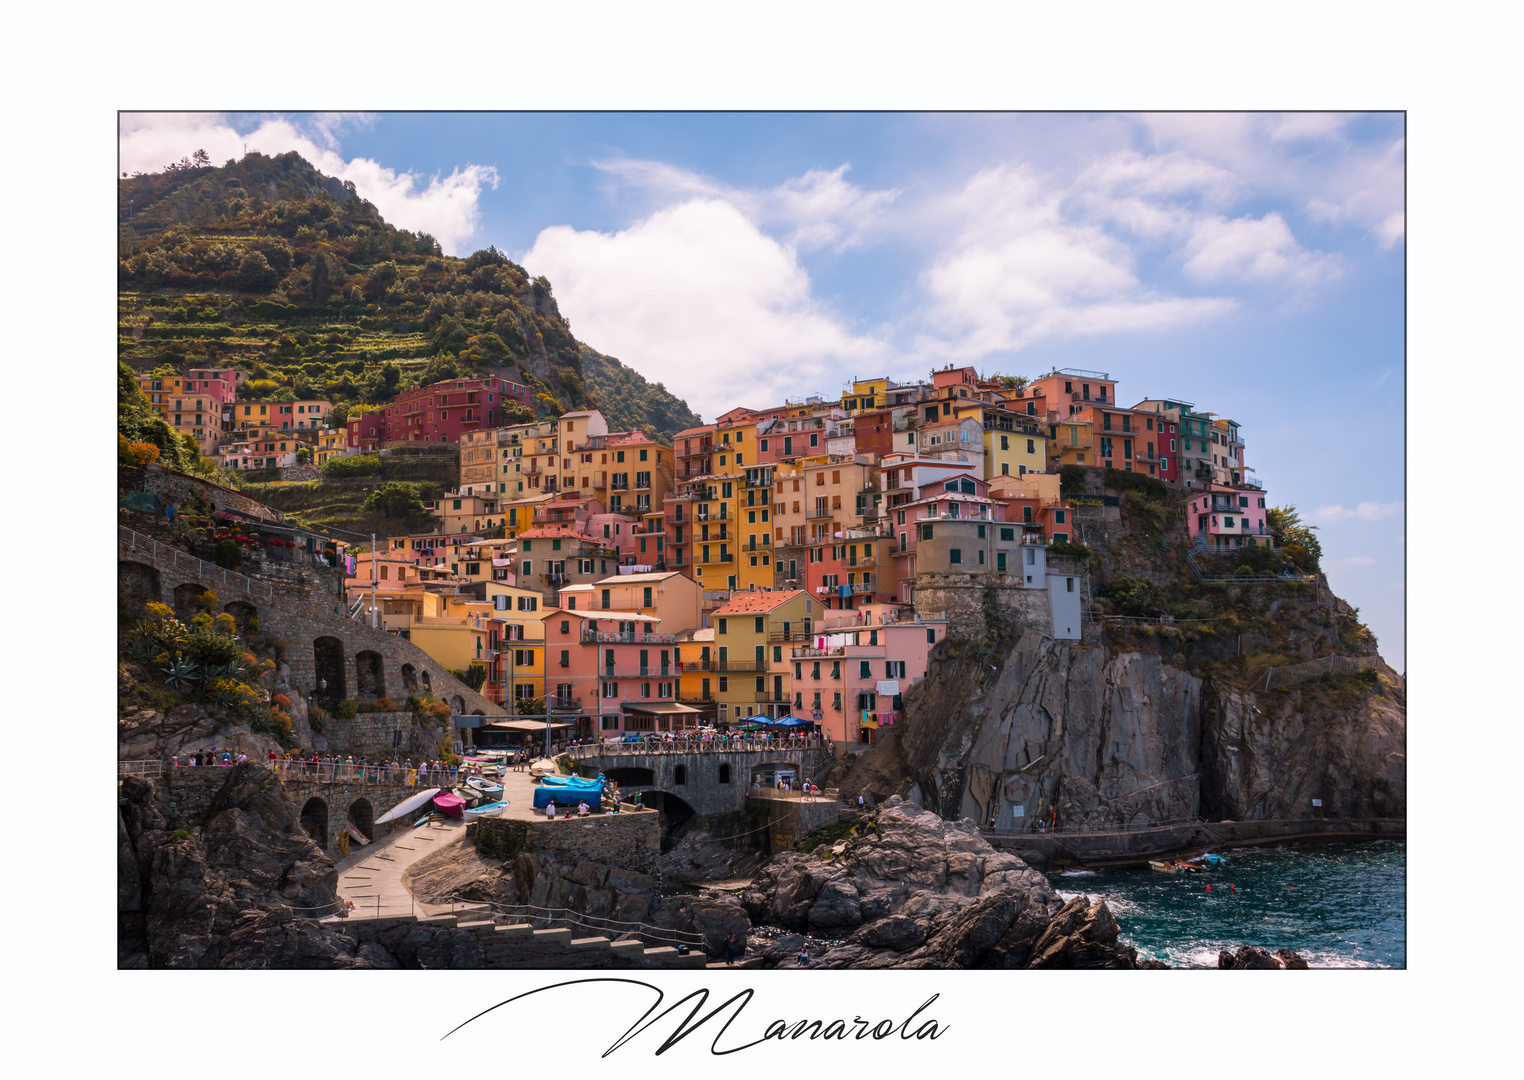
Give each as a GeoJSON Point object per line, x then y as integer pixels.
{"type": "Point", "coordinates": [241, 610]}
{"type": "Point", "coordinates": [140, 578]}
{"type": "Point", "coordinates": [315, 820]}
{"type": "Point", "coordinates": [370, 675]}
{"type": "Point", "coordinates": [724, 772]}
{"type": "Point", "coordinates": [458, 704]}
{"type": "Point", "coordinates": [680, 774]}
{"type": "Point", "coordinates": [185, 597]}
{"type": "Point", "coordinates": [428, 683]}
{"type": "Point", "coordinates": [409, 677]}
{"type": "Point", "coordinates": [631, 775]}
{"type": "Point", "coordinates": [363, 817]}
{"type": "Point", "coordinates": [675, 813]}
{"type": "Point", "coordinates": [328, 668]}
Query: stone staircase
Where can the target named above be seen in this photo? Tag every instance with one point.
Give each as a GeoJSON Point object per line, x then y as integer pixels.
{"type": "Point", "coordinates": [509, 945]}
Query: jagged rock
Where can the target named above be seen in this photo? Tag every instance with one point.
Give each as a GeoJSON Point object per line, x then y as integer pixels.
{"type": "Point", "coordinates": [1250, 958]}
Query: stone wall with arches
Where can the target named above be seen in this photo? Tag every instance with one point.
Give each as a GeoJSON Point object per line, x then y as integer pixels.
{"type": "Point", "coordinates": [367, 659]}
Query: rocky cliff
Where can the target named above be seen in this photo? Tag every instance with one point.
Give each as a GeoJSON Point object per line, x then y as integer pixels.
{"type": "Point", "coordinates": [1150, 720]}
{"type": "Point", "coordinates": [907, 889]}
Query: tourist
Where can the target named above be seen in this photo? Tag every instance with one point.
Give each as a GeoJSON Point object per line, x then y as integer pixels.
{"type": "Point", "coordinates": [730, 949]}
{"type": "Point", "coordinates": [242, 757]}
{"type": "Point", "coordinates": [349, 766]}
{"type": "Point", "coordinates": [174, 761]}
{"type": "Point", "coordinates": [192, 762]}
{"type": "Point", "coordinates": [804, 955]}
{"type": "Point", "coordinates": [550, 809]}
{"type": "Point", "coordinates": [859, 800]}
{"type": "Point", "coordinates": [271, 756]}
{"type": "Point", "coordinates": [227, 758]}
{"type": "Point", "coordinates": [582, 809]}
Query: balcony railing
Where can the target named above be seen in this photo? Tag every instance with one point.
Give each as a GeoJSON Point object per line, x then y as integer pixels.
{"type": "Point", "coordinates": [610, 637]}
{"type": "Point", "coordinates": [616, 672]}
{"type": "Point", "coordinates": [722, 665]}
{"type": "Point", "coordinates": [817, 513]}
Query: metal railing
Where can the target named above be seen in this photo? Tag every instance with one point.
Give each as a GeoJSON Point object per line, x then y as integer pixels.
{"type": "Point", "coordinates": [1102, 829]}
{"type": "Point", "coordinates": [137, 542]}
{"type": "Point", "coordinates": [1313, 669]}
{"type": "Point", "coordinates": [718, 744]}
{"type": "Point", "coordinates": [549, 917]}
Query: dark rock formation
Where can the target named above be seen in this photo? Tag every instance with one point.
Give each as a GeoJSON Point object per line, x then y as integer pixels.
{"type": "Point", "coordinates": [1104, 737]}
{"type": "Point", "coordinates": [911, 890]}
{"type": "Point", "coordinates": [1248, 957]}
{"type": "Point", "coordinates": [226, 887]}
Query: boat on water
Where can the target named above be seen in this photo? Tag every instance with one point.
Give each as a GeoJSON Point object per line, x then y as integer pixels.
{"type": "Point", "coordinates": [1174, 866]}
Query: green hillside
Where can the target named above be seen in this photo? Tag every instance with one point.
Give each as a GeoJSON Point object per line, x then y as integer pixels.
{"type": "Point", "coordinates": [267, 265]}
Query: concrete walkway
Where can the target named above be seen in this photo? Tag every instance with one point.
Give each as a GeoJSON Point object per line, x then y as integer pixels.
{"type": "Point", "coordinates": [372, 877]}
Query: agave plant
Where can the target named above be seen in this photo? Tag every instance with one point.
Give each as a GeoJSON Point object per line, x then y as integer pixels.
{"type": "Point", "coordinates": [181, 674]}
{"type": "Point", "coordinates": [142, 649]}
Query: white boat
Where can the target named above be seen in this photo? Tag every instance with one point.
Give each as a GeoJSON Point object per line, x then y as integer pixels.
{"type": "Point", "coordinates": [543, 767]}
{"type": "Point", "coordinates": [407, 806]}
{"type": "Point", "coordinates": [484, 787]}
{"type": "Point", "coordinates": [490, 810]}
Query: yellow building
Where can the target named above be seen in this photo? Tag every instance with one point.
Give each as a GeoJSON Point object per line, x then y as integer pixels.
{"type": "Point", "coordinates": [1070, 444]}
{"type": "Point", "coordinates": [458, 513]}
{"type": "Point", "coordinates": [331, 443]}
{"type": "Point", "coordinates": [697, 677]}
{"type": "Point", "coordinates": [752, 632]}
{"type": "Point", "coordinates": [627, 471]}
{"type": "Point", "coordinates": [503, 633]}
{"type": "Point", "coordinates": [1013, 445]}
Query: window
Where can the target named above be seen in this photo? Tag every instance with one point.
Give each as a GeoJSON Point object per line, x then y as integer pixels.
{"type": "Point", "coordinates": [757, 624]}
{"type": "Point", "coordinates": [610, 689]}
{"type": "Point", "coordinates": [722, 626]}
{"type": "Point", "coordinates": [1068, 584]}
{"type": "Point", "coordinates": [955, 555]}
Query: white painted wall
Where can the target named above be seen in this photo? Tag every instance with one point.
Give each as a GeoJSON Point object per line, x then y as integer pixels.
{"type": "Point", "coordinates": [1065, 606]}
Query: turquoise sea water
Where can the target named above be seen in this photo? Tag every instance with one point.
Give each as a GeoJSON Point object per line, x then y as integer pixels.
{"type": "Point", "coordinates": [1337, 905]}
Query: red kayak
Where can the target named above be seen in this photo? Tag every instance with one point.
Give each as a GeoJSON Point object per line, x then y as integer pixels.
{"type": "Point", "coordinates": [452, 805]}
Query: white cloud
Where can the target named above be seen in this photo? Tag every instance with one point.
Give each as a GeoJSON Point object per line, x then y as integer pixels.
{"type": "Point", "coordinates": [816, 210]}
{"type": "Point", "coordinates": [1018, 270]}
{"type": "Point", "coordinates": [1366, 511]}
{"type": "Point", "coordinates": [697, 297]}
{"type": "Point", "coordinates": [1250, 249]}
{"type": "Point", "coordinates": [446, 207]}
{"type": "Point", "coordinates": [1309, 157]}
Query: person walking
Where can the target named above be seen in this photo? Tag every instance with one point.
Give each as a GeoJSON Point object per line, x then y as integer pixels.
{"type": "Point", "coordinates": [730, 949]}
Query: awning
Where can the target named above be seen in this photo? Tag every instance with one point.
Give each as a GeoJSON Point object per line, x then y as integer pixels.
{"type": "Point", "coordinates": [659, 708]}
{"type": "Point", "coordinates": [522, 725]}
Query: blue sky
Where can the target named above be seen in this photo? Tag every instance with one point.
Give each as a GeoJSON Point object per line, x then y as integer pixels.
{"type": "Point", "coordinates": [1253, 264]}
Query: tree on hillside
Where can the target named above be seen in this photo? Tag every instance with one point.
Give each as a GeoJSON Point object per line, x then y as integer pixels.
{"type": "Point", "coordinates": [256, 275]}
{"type": "Point", "coordinates": [1300, 542]}
{"type": "Point", "coordinates": [395, 499]}
{"type": "Point", "coordinates": [202, 159]}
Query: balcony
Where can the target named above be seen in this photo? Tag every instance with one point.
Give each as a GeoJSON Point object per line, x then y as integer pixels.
{"type": "Point", "coordinates": [807, 652]}
{"type": "Point", "coordinates": [817, 514]}
{"type": "Point", "coordinates": [612, 637]}
{"type": "Point", "coordinates": [606, 672]}
{"type": "Point", "coordinates": [619, 485]}
{"type": "Point", "coordinates": [722, 665]}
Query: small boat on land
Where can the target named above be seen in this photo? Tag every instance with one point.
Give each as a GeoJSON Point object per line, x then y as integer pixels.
{"type": "Point", "coordinates": [407, 806]}
{"type": "Point", "coordinates": [489, 810]}
{"type": "Point", "coordinates": [542, 767]}
{"type": "Point", "coordinates": [485, 788]}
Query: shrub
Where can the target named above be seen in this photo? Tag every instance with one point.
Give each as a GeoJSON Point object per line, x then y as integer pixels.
{"type": "Point", "coordinates": [207, 647]}
{"type": "Point", "coordinates": [346, 710]}
{"type": "Point", "coordinates": [1071, 480]}
{"type": "Point", "coordinates": [226, 624]}
{"type": "Point", "coordinates": [1071, 548]}
{"type": "Point", "coordinates": [281, 701]}
{"type": "Point", "coordinates": [344, 468]}
{"type": "Point", "coordinates": [1135, 595]}
{"type": "Point", "coordinates": [227, 554]}
{"type": "Point", "coordinates": [1121, 480]}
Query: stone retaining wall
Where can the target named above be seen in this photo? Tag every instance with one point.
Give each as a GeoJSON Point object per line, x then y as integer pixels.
{"type": "Point", "coordinates": [369, 735]}
{"type": "Point", "coordinates": [630, 840]}
{"type": "Point", "coordinates": [300, 622]}
{"type": "Point", "coordinates": [176, 487]}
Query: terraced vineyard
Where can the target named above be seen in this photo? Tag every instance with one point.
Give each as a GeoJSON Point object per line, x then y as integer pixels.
{"type": "Point", "coordinates": [266, 265]}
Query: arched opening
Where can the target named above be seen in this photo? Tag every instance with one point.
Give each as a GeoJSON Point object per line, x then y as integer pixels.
{"type": "Point", "coordinates": [631, 776]}
{"type": "Point", "coordinates": [725, 773]}
{"type": "Point", "coordinates": [675, 814]}
{"type": "Point", "coordinates": [428, 683]}
{"type": "Point", "coordinates": [458, 703]}
{"type": "Point", "coordinates": [139, 581]}
{"type": "Point", "coordinates": [315, 820]}
{"type": "Point", "coordinates": [370, 676]}
{"type": "Point", "coordinates": [680, 774]}
{"type": "Point", "coordinates": [185, 600]}
{"type": "Point", "coordinates": [241, 611]}
{"type": "Point", "coordinates": [409, 677]}
{"type": "Point", "coordinates": [328, 670]}
{"type": "Point", "coordinates": [363, 817]}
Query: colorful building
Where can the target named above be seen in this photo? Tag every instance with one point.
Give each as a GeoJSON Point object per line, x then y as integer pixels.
{"type": "Point", "coordinates": [751, 634]}
{"type": "Point", "coordinates": [1224, 517]}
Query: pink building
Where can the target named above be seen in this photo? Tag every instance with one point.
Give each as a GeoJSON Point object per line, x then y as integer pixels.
{"type": "Point", "coordinates": [220, 383]}
{"type": "Point", "coordinates": [852, 676]}
{"type": "Point", "coordinates": [368, 432]}
{"type": "Point", "coordinates": [1223, 518]}
{"type": "Point", "coordinates": [612, 670]}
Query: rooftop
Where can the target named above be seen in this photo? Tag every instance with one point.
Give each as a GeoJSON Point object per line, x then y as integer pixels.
{"type": "Point", "coordinates": [747, 603]}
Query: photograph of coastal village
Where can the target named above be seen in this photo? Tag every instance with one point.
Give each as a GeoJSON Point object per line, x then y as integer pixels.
{"type": "Point", "coordinates": [954, 569]}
